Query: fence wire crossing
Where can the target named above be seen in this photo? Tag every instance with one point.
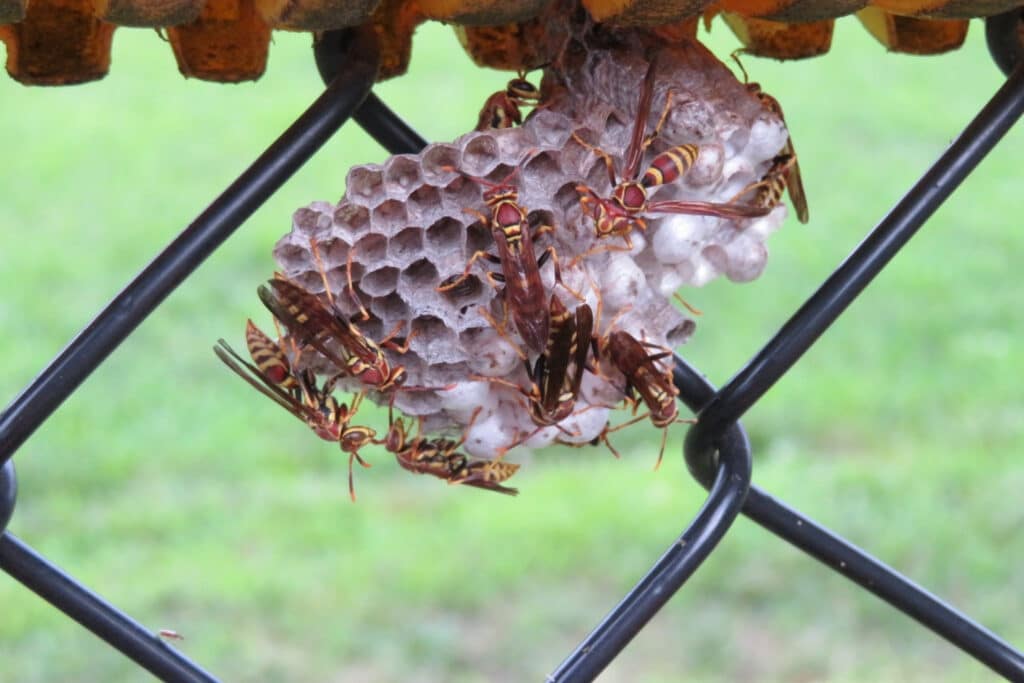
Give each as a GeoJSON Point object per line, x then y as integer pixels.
{"type": "Point", "coordinates": [716, 448]}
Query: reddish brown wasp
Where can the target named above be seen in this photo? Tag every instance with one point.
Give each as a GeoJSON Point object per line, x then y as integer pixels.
{"type": "Point", "coordinates": [299, 394]}
{"type": "Point", "coordinates": [502, 109]}
{"type": "Point", "coordinates": [524, 295]}
{"type": "Point", "coordinates": [441, 458]}
{"type": "Point", "coordinates": [643, 377]}
{"type": "Point", "coordinates": [312, 322]}
{"type": "Point", "coordinates": [623, 212]}
{"type": "Point", "coordinates": [585, 337]}
{"type": "Point", "coordinates": [557, 373]}
{"type": "Point", "coordinates": [789, 170]}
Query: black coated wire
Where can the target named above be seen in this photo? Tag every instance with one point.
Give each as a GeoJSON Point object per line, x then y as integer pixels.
{"type": "Point", "coordinates": [900, 592]}
{"type": "Point", "coordinates": [717, 451]}
{"type": "Point", "coordinates": [36, 403]}
{"type": "Point", "coordinates": [868, 259]}
{"type": "Point", "coordinates": [1003, 35]}
{"type": "Point", "coordinates": [8, 493]}
{"type": "Point", "coordinates": [804, 328]}
{"type": "Point", "coordinates": [387, 128]}
{"type": "Point", "coordinates": [707, 458]}
{"type": "Point", "coordinates": [382, 124]}
{"type": "Point", "coordinates": [680, 561]}
{"type": "Point", "coordinates": [227, 212]}
{"type": "Point", "coordinates": [145, 648]}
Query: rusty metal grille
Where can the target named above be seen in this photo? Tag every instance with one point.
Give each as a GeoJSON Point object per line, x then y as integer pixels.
{"type": "Point", "coordinates": [716, 448]}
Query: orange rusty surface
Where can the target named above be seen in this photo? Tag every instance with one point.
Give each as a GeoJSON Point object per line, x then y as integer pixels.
{"type": "Point", "coordinates": [514, 47]}
{"type": "Point", "coordinates": [967, 9]}
{"type": "Point", "coordinates": [310, 15]}
{"type": "Point", "coordinates": [780, 40]}
{"type": "Point", "coordinates": [228, 42]}
{"type": "Point", "coordinates": [798, 11]}
{"type": "Point", "coordinates": [12, 11]}
{"type": "Point", "coordinates": [644, 12]}
{"type": "Point", "coordinates": [152, 13]}
{"type": "Point", "coordinates": [54, 42]}
{"type": "Point", "coordinates": [679, 32]}
{"type": "Point", "coordinates": [913, 35]}
{"type": "Point", "coordinates": [59, 42]}
{"type": "Point", "coordinates": [481, 12]}
{"type": "Point", "coordinates": [393, 22]}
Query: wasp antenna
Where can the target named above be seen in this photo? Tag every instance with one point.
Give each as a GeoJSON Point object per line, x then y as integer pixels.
{"type": "Point", "coordinates": [315, 248]}
{"type": "Point", "coordinates": [351, 286]}
{"type": "Point", "coordinates": [351, 482]}
{"type": "Point", "coordinates": [661, 453]}
{"type": "Point", "coordinates": [735, 56]}
{"type": "Point", "coordinates": [472, 418]}
{"type": "Point", "coordinates": [690, 307]}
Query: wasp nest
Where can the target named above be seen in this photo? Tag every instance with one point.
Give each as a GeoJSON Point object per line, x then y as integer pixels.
{"type": "Point", "coordinates": [411, 224]}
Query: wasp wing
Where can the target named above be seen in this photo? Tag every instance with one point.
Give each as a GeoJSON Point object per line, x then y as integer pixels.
{"type": "Point", "coordinates": [250, 373]}
{"type": "Point", "coordinates": [709, 209]}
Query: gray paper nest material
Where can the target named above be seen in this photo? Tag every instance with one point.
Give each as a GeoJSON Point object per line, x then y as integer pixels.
{"type": "Point", "coordinates": [406, 227]}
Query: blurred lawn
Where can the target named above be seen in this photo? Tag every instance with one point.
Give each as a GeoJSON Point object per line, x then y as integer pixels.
{"type": "Point", "coordinates": [170, 488]}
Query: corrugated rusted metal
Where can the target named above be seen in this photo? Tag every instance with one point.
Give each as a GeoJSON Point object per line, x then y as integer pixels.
{"type": "Point", "coordinates": [56, 42]}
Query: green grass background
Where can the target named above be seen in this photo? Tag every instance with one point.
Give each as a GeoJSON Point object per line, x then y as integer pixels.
{"type": "Point", "coordinates": [174, 491]}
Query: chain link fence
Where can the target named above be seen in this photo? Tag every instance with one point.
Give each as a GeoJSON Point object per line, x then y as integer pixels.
{"type": "Point", "coordinates": [717, 450]}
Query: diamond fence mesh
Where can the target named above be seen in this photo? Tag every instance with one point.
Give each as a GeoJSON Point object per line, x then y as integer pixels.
{"type": "Point", "coordinates": [717, 451]}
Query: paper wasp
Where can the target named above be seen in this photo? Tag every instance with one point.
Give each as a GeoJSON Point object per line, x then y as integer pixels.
{"type": "Point", "coordinates": [643, 377]}
{"type": "Point", "coordinates": [441, 458]}
{"type": "Point", "coordinates": [524, 295]}
{"type": "Point", "coordinates": [790, 172]}
{"type": "Point", "coordinates": [767, 192]}
{"type": "Point", "coordinates": [299, 394]}
{"type": "Point", "coordinates": [557, 373]}
{"type": "Point", "coordinates": [502, 109]}
{"type": "Point", "coordinates": [623, 212]}
{"type": "Point", "coordinates": [312, 322]}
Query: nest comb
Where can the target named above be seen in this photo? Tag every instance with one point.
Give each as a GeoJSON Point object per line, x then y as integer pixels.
{"type": "Point", "coordinates": [402, 229]}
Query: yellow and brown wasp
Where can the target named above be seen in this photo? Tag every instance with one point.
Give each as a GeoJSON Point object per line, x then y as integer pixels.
{"type": "Point", "coordinates": [524, 295]}
{"type": "Point", "coordinates": [644, 378]}
{"type": "Point", "coordinates": [623, 212]}
{"type": "Point", "coordinates": [556, 375]}
{"type": "Point", "coordinates": [785, 170]}
{"type": "Point", "coordinates": [502, 109]}
{"type": "Point", "coordinates": [310, 321]}
{"type": "Point", "coordinates": [558, 372]}
{"type": "Point", "coordinates": [298, 393]}
{"type": "Point", "coordinates": [440, 457]}
{"type": "Point", "coordinates": [767, 192]}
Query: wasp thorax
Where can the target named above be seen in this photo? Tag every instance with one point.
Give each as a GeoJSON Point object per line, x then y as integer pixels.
{"type": "Point", "coordinates": [631, 196]}
{"type": "Point", "coordinates": [508, 213]}
{"type": "Point", "coordinates": [404, 233]}
{"type": "Point", "coordinates": [498, 195]}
